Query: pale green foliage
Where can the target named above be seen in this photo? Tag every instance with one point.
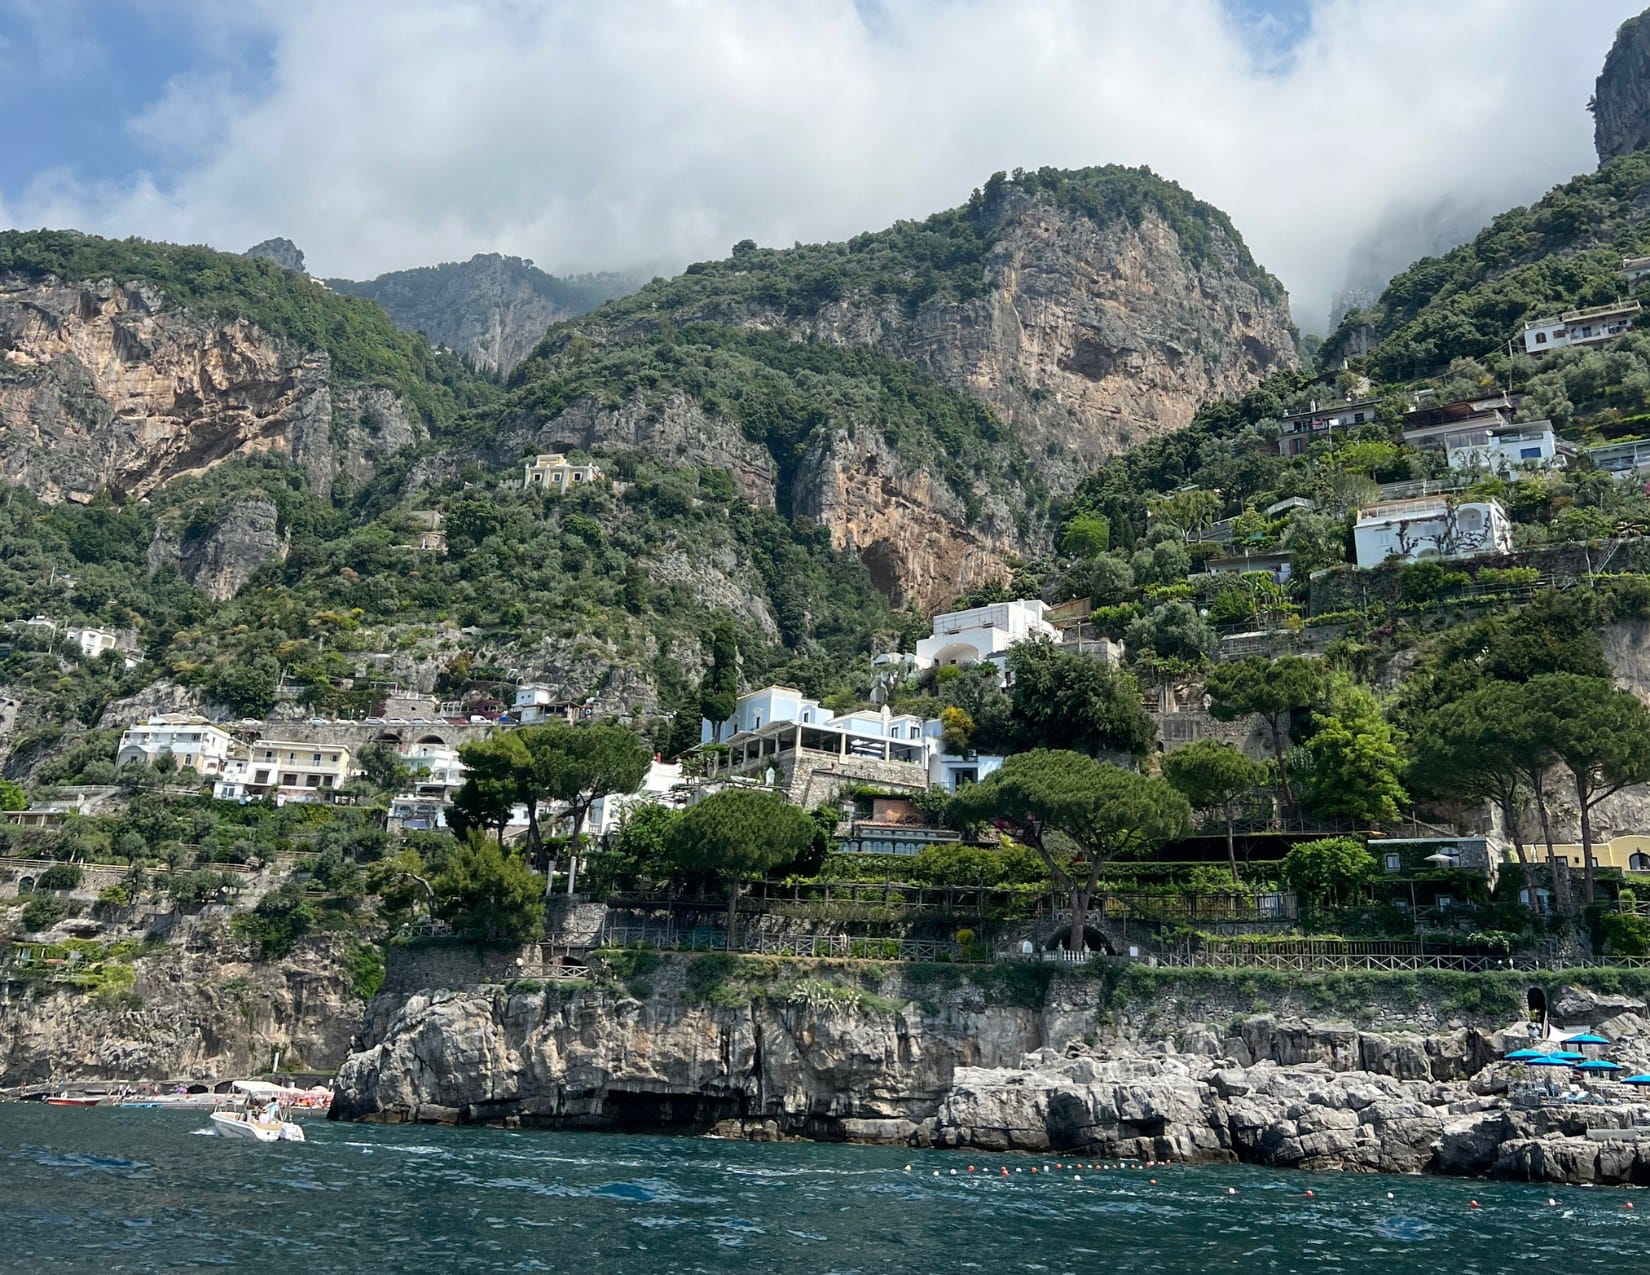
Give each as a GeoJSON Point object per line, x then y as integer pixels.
{"type": "Point", "coordinates": [1330, 870]}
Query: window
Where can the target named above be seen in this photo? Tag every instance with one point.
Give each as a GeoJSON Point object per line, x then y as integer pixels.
{"type": "Point", "coordinates": [1638, 863]}
{"type": "Point", "coordinates": [312, 781]}
{"type": "Point", "coordinates": [1358, 419]}
{"type": "Point", "coordinates": [289, 780]}
{"type": "Point", "coordinates": [260, 777]}
{"type": "Point", "coordinates": [1541, 338]}
{"type": "Point", "coordinates": [1529, 453]}
{"type": "Point", "coordinates": [315, 759]}
{"type": "Point", "coordinates": [1393, 863]}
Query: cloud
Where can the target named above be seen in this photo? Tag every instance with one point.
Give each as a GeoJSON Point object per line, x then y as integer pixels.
{"type": "Point", "coordinates": [590, 136]}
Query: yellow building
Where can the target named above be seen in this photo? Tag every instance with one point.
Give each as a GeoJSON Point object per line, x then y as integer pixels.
{"type": "Point", "coordinates": [1629, 854]}
{"type": "Point", "coordinates": [554, 472]}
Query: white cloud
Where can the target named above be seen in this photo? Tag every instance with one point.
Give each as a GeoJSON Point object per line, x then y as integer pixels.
{"type": "Point", "coordinates": [592, 136]}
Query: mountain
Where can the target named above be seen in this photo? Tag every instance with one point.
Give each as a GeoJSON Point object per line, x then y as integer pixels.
{"type": "Point", "coordinates": [1621, 98]}
{"type": "Point", "coordinates": [128, 364]}
{"type": "Point", "coordinates": [490, 309]}
{"type": "Point", "coordinates": [283, 252]}
{"type": "Point", "coordinates": [1087, 309]}
{"type": "Point", "coordinates": [1560, 253]}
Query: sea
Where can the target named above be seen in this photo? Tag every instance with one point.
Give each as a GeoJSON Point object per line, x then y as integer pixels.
{"type": "Point", "coordinates": [107, 1190]}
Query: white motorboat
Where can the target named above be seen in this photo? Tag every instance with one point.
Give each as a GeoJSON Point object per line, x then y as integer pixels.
{"type": "Point", "coordinates": [249, 1121]}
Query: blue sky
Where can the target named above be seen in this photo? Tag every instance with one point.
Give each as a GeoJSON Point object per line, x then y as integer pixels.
{"type": "Point", "coordinates": [380, 134]}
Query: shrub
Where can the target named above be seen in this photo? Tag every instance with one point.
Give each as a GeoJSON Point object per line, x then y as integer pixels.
{"type": "Point", "coordinates": [60, 876]}
{"type": "Point", "coordinates": [1626, 934]}
{"type": "Point", "coordinates": [43, 912]}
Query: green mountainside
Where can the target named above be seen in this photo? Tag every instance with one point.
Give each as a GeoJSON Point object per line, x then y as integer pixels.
{"type": "Point", "coordinates": [1562, 252]}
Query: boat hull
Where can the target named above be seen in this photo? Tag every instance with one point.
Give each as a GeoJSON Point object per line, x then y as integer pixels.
{"type": "Point", "coordinates": [226, 1125]}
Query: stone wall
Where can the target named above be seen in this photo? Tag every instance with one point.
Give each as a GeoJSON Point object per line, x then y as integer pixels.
{"type": "Point", "coordinates": [809, 777]}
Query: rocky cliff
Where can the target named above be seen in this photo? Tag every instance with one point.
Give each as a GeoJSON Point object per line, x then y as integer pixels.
{"type": "Point", "coordinates": [852, 1053]}
{"type": "Point", "coordinates": [490, 309]}
{"type": "Point", "coordinates": [283, 252]}
{"type": "Point", "coordinates": [1621, 98]}
{"type": "Point", "coordinates": [201, 1008]}
{"type": "Point", "coordinates": [110, 388]}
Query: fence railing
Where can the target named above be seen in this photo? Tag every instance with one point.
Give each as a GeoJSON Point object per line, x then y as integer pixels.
{"type": "Point", "coordinates": [704, 938]}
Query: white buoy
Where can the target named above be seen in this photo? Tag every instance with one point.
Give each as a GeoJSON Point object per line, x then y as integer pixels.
{"type": "Point", "coordinates": [1231, 1190]}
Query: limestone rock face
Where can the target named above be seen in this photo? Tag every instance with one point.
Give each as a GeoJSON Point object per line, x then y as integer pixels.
{"type": "Point", "coordinates": [491, 309]}
{"type": "Point", "coordinates": [201, 1009]}
{"type": "Point", "coordinates": [1621, 98]}
{"type": "Point", "coordinates": [283, 252]}
{"type": "Point", "coordinates": [219, 560]}
{"type": "Point", "coordinates": [108, 387]}
{"type": "Point", "coordinates": [1091, 336]}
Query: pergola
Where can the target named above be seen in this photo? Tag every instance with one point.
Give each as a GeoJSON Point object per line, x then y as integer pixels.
{"type": "Point", "coordinates": [752, 748]}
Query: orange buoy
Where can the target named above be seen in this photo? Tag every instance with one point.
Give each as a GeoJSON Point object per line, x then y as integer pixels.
{"type": "Point", "coordinates": [1154, 1182]}
{"type": "Point", "coordinates": [1628, 1205]}
{"type": "Point", "coordinates": [1309, 1194]}
{"type": "Point", "coordinates": [1472, 1204]}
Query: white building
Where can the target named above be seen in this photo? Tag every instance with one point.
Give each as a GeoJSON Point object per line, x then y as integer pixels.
{"type": "Point", "coordinates": [552, 471]}
{"type": "Point", "coordinates": [412, 813]}
{"type": "Point", "coordinates": [663, 785]}
{"type": "Point", "coordinates": [434, 766]}
{"type": "Point", "coordinates": [190, 740]}
{"type": "Point", "coordinates": [536, 703]}
{"type": "Point", "coordinates": [1579, 327]}
{"type": "Point", "coordinates": [762, 708]}
{"type": "Point", "coordinates": [93, 642]}
{"type": "Point", "coordinates": [1635, 268]}
{"type": "Point", "coordinates": [1508, 450]}
{"type": "Point", "coordinates": [1431, 527]}
{"type": "Point", "coordinates": [1624, 460]}
{"type": "Point", "coordinates": [1299, 430]}
{"type": "Point", "coordinates": [966, 637]}
{"type": "Point", "coordinates": [290, 770]}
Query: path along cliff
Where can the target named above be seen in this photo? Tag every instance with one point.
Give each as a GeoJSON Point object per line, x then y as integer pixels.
{"type": "Point", "coordinates": [1114, 1063]}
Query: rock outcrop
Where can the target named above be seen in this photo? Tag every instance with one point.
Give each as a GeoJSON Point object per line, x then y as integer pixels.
{"type": "Point", "coordinates": [283, 252]}
{"type": "Point", "coordinates": [1621, 98]}
{"type": "Point", "coordinates": [1090, 336]}
{"type": "Point", "coordinates": [203, 1008]}
{"type": "Point", "coordinates": [490, 309]}
{"type": "Point", "coordinates": [109, 388]}
{"type": "Point", "coordinates": [831, 1061]}
{"type": "Point", "coordinates": [221, 558]}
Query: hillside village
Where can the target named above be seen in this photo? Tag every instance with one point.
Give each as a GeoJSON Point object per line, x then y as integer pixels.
{"type": "Point", "coordinates": [738, 618]}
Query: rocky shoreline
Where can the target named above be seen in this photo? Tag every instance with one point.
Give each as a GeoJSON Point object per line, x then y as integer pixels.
{"type": "Point", "coordinates": [820, 1061]}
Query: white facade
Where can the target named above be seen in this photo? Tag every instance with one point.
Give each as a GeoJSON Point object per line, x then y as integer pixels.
{"type": "Point", "coordinates": [93, 642]}
{"type": "Point", "coordinates": [536, 704]}
{"type": "Point", "coordinates": [433, 765]}
{"type": "Point", "coordinates": [1431, 527]}
{"type": "Point", "coordinates": [191, 741]}
{"type": "Point", "coordinates": [552, 471]}
{"type": "Point", "coordinates": [966, 637]}
{"type": "Point", "coordinates": [663, 785]}
{"type": "Point", "coordinates": [412, 813]}
{"type": "Point", "coordinates": [763, 708]}
{"type": "Point", "coordinates": [1507, 450]}
{"type": "Point", "coordinates": [1579, 327]}
{"type": "Point", "coordinates": [296, 769]}
{"type": "Point", "coordinates": [1635, 268]}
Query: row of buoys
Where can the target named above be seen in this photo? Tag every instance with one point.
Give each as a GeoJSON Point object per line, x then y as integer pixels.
{"type": "Point", "coordinates": [1231, 1190]}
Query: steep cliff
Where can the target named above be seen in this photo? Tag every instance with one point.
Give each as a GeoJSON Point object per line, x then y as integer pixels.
{"type": "Point", "coordinates": [491, 309]}
{"type": "Point", "coordinates": [1086, 309]}
{"type": "Point", "coordinates": [201, 1007]}
{"type": "Point", "coordinates": [283, 252]}
{"type": "Point", "coordinates": [1621, 98]}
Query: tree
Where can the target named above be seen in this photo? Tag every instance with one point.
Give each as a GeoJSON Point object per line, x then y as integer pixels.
{"type": "Point", "coordinates": [577, 766]}
{"type": "Point", "coordinates": [12, 796]}
{"type": "Point", "coordinates": [1273, 690]}
{"type": "Point", "coordinates": [1329, 870]}
{"type": "Point", "coordinates": [737, 834]}
{"type": "Point", "coordinates": [956, 730]}
{"type": "Point", "coordinates": [1047, 794]}
{"type": "Point", "coordinates": [1174, 634]}
{"type": "Point", "coordinates": [382, 767]}
{"type": "Point", "coordinates": [1483, 746]}
{"type": "Point", "coordinates": [492, 787]}
{"type": "Point", "coordinates": [1216, 777]}
{"type": "Point", "coordinates": [1601, 735]}
{"type": "Point", "coordinates": [719, 689]}
{"type": "Point", "coordinates": [1088, 535]}
{"type": "Point", "coordinates": [1067, 701]}
{"type": "Point", "coordinates": [1355, 762]}
{"type": "Point", "coordinates": [246, 688]}
{"type": "Point", "coordinates": [487, 894]}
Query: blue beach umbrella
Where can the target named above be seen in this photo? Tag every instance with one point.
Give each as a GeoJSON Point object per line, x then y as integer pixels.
{"type": "Point", "coordinates": [1600, 1064]}
{"type": "Point", "coordinates": [1552, 1060]}
{"type": "Point", "coordinates": [1524, 1055]}
{"type": "Point", "coordinates": [1635, 1080]}
{"type": "Point", "coordinates": [1586, 1038]}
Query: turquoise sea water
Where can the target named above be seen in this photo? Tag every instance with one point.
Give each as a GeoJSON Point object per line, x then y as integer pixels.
{"type": "Point", "coordinates": [115, 1191]}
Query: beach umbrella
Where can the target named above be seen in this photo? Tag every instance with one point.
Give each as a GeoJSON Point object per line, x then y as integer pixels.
{"type": "Point", "coordinates": [1600, 1064]}
{"type": "Point", "coordinates": [1635, 1080]}
{"type": "Point", "coordinates": [1586, 1038]}
{"type": "Point", "coordinates": [1552, 1060]}
{"type": "Point", "coordinates": [1524, 1055]}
